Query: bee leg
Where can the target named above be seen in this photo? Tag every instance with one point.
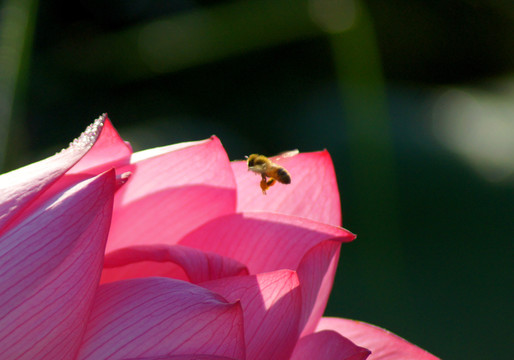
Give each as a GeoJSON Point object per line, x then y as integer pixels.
{"type": "Point", "coordinates": [264, 184]}
{"type": "Point", "coordinates": [271, 182]}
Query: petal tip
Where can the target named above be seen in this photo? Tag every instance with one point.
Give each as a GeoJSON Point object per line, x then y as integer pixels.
{"type": "Point", "coordinates": [215, 140]}
{"type": "Point", "coordinates": [89, 136]}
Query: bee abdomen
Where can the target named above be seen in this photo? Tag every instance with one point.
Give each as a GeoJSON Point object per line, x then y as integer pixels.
{"type": "Point", "coordinates": [283, 176]}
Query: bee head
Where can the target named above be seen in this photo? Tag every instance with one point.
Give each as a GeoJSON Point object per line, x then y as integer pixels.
{"type": "Point", "coordinates": [258, 163]}
{"type": "Point", "coordinates": [251, 160]}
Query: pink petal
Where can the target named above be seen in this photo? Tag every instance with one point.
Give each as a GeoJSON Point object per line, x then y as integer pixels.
{"type": "Point", "coordinates": [171, 192]}
{"type": "Point", "coordinates": [109, 151]}
{"type": "Point", "coordinates": [157, 317]}
{"type": "Point", "coordinates": [183, 357]}
{"type": "Point", "coordinates": [20, 187]}
{"type": "Point", "coordinates": [271, 304]}
{"type": "Point", "coordinates": [178, 262]}
{"type": "Point", "coordinates": [263, 241]}
{"type": "Point", "coordinates": [328, 345]}
{"type": "Point", "coordinates": [312, 194]}
{"type": "Point", "coordinates": [382, 343]}
{"type": "Point", "coordinates": [316, 273]}
{"type": "Point", "coordinates": [50, 265]}
{"type": "Point", "coordinates": [268, 242]}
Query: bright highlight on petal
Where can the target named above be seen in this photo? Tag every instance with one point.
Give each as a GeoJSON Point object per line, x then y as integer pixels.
{"type": "Point", "coordinates": [160, 317]}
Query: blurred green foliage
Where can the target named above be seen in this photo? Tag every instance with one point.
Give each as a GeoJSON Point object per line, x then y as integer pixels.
{"type": "Point", "coordinates": [411, 98]}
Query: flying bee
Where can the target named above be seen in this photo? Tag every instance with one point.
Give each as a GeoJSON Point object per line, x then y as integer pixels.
{"type": "Point", "coordinates": [260, 164]}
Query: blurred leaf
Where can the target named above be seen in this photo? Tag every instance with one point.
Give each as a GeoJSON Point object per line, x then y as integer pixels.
{"type": "Point", "coordinates": [16, 34]}
{"type": "Point", "coordinates": [188, 39]}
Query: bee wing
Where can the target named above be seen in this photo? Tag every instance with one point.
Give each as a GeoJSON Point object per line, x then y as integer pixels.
{"type": "Point", "coordinates": [285, 154]}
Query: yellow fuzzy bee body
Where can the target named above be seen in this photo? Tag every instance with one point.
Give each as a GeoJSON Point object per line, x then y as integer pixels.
{"type": "Point", "coordinates": [269, 171]}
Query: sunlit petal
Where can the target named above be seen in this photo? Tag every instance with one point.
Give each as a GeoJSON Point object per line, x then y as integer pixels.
{"type": "Point", "coordinates": [313, 192]}
{"type": "Point", "coordinates": [171, 193]}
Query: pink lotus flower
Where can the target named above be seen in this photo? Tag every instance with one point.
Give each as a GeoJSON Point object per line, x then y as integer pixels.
{"type": "Point", "coordinates": [186, 260]}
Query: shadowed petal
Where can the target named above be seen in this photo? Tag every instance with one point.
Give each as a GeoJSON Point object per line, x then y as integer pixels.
{"type": "Point", "coordinates": [50, 265]}
{"type": "Point", "coordinates": [312, 194]}
{"type": "Point", "coordinates": [178, 262]}
{"type": "Point", "coordinates": [154, 317]}
{"type": "Point", "coordinates": [383, 344]}
{"type": "Point", "coordinates": [263, 241]}
{"type": "Point", "coordinates": [328, 345]}
{"type": "Point", "coordinates": [271, 304]}
{"type": "Point", "coordinates": [171, 193]}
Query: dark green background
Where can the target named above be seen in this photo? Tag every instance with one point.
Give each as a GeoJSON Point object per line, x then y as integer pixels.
{"type": "Point", "coordinates": [433, 258]}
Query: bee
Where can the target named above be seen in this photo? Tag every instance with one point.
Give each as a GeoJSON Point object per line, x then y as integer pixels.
{"type": "Point", "coordinates": [269, 171]}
